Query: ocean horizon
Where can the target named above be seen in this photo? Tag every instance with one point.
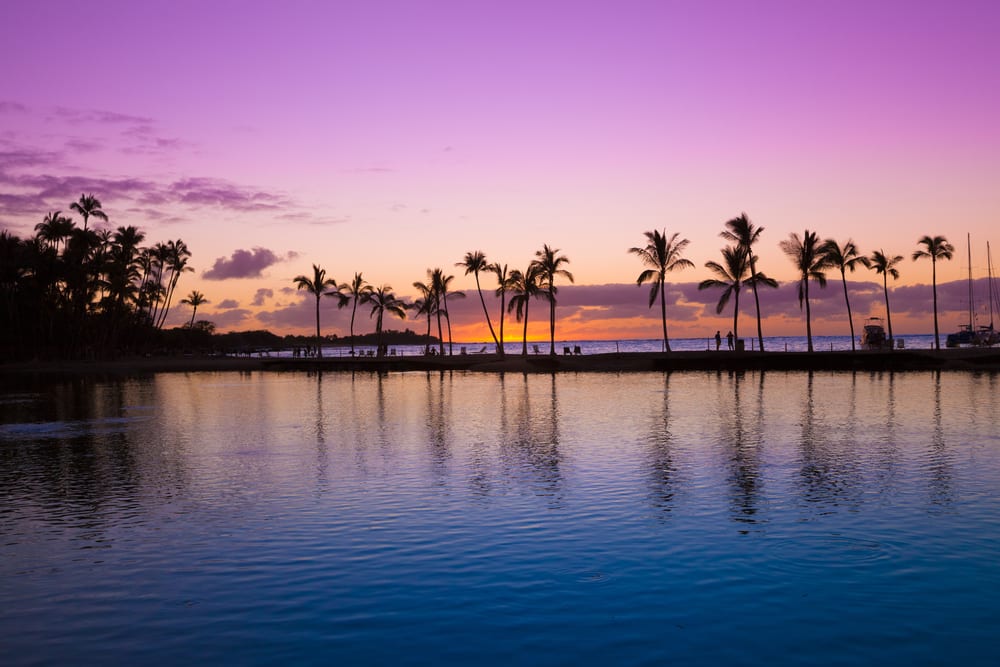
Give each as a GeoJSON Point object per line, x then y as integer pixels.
{"type": "Point", "coordinates": [588, 346]}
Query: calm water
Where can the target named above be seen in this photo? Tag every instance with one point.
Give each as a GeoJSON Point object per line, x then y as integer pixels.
{"type": "Point", "coordinates": [689, 518]}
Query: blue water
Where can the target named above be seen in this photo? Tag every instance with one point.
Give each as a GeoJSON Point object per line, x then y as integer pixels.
{"type": "Point", "coordinates": [453, 518]}
{"type": "Point", "coordinates": [771, 344]}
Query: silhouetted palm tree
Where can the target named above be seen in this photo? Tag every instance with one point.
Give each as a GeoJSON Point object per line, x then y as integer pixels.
{"type": "Point", "coordinates": [194, 299]}
{"type": "Point", "coordinates": [357, 291]}
{"type": "Point", "coordinates": [662, 255]}
{"type": "Point", "coordinates": [382, 300]}
{"type": "Point", "coordinates": [731, 275]}
{"type": "Point", "coordinates": [744, 234]}
{"type": "Point", "coordinates": [936, 247]}
{"type": "Point", "coordinates": [317, 286]}
{"type": "Point", "coordinates": [549, 263]}
{"type": "Point", "coordinates": [886, 265]}
{"type": "Point", "coordinates": [523, 287]}
{"type": "Point", "coordinates": [474, 262]}
{"type": "Point", "coordinates": [426, 305]}
{"type": "Point", "coordinates": [440, 284]}
{"type": "Point", "coordinates": [503, 284]}
{"type": "Point", "coordinates": [175, 258]}
{"type": "Point", "coordinates": [809, 259]}
{"type": "Point", "coordinates": [88, 206]}
{"type": "Point", "coordinates": [54, 229]}
{"type": "Point", "coordinates": [844, 257]}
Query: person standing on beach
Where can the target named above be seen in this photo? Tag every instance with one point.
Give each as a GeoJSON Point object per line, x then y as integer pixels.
{"type": "Point", "coordinates": [729, 339]}
{"type": "Point", "coordinates": [718, 341]}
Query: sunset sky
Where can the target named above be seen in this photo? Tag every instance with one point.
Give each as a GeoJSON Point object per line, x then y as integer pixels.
{"type": "Point", "coordinates": [392, 137]}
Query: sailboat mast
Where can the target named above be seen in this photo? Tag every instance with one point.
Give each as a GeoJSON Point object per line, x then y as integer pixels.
{"type": "Point", "coordinates": [968, 241]}
{"type": "Point", "coordinates": [989, 282]}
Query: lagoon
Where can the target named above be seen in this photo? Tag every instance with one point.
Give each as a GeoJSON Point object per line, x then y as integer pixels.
{"type": "Point", "coordinates": [451, 517]}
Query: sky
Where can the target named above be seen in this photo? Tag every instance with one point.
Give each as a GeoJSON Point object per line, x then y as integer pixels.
{"type": "Point", "coordinates": [390, 137]}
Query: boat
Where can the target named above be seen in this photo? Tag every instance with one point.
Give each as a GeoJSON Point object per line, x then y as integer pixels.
{"type": "Point", "coordinates": [969, 334]}
{"type": "Point", "coordinates": [873, 335]}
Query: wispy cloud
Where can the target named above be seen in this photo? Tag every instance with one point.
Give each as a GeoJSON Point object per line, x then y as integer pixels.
{"type": "Point", "coordinates": [245, 264]}
{"type": "Point", "coordinates": [228, 304]}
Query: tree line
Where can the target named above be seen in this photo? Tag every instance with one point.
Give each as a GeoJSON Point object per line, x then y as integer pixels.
{"type": "Point", "coordinates": [662, 254]}
{"type": "Point", "coordinates": [72, 291]}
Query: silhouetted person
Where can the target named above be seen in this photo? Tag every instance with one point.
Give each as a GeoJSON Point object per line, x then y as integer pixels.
{"type": "Point", "coordinates": [718, 341]}
{"type": "Point", "coordinates": [729, 339]}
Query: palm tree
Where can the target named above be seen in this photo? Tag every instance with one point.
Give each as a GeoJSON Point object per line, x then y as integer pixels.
{"type": "Point", "coordinates": [194, 299]}
{"type": "Point", "coordinates": [886, 265]}
{"type": "Point", "coordinates": [844, 257]}
{"type": "Point", "coordinates": [936, 247]}
{"type": "Point", "coordinates": [54, 228]}
{"type": "Point", "coordinates": [176, 259]}
{"type": "Point", "coordinates": [524, 287]}
{"type": "Point", "coordinates": [382, 300]}
{"type": "Point", "coordinates": [662, 255]}
{"type": "Point", "coordinates": [503, 284]}
{"type": "Point", "coordinates": [440, 283]}
{"type": "Point", "coordinates": [548, 262]}
{"type": "Point", "coordinates": [316, 286]}
{"type": "Point", "coordinates": [425, 305]}
{"type": "Point", "coordinates": [357, 291]}
{"type": "Point", "coordinates": [474, 262]}
{"type": "Point", "coordinates": [810, 260]}
{"type": "Point", "coordinates": [731, 275]}
{"type": "Point", "coordinates": [744, 234]}
{"type": "Point", "coordinates": [89, 205]}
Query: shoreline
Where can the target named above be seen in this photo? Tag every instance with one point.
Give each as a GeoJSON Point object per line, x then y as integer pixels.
{"type": "Point", "coordinates": [960, 359]}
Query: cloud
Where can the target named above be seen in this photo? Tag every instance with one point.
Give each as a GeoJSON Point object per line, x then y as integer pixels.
{"type": "Point", "coordinates": [223, 194]}
{"type": "Point", "coordinates": [244, 264]}
{"type": "Point", "coordinates": [228, 304]}
{"type": "Point", "coordinates": [262, 294]}
{"type": "Point", "coordinates": [7, 106]}
{"type": "Point", "coordinates": [229, 318]}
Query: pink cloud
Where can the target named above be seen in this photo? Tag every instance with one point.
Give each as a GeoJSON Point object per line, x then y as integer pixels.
{"type": "Point", "coordinates": [244, 264]}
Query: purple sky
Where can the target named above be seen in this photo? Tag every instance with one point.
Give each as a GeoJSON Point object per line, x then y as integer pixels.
{"type": "Point", "coordinates": [389, 137]}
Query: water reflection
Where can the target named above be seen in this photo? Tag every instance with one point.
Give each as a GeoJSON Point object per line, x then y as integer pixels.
{"type": "Point", "coordinates": [939, 456]}
{"type": "Point", "coordinates": [742, 442]}
{"type": "Point", "coordinates": [529, 435]}
{"type": "Point", "coordinates": [661, 466]}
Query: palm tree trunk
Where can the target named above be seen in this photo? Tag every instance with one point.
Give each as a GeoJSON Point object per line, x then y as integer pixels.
{"type": "Point", "coordinates": [193, 313]}
{"type": "Point", "coordinates": [355, 310]}
{"type": "Point", "coordinates": [503, 300]}
{"type": "Point", "coordinates": [850, 320]}
{"type": "Point", "coordinates": [756, 300]}
{"type": "Point", "coordinates": [447, 317]}
{"type": "Point", "coordinates": [440, 334]}
{"type": "Point", "coordinates": [809, 331]}
{"type": "Point", "coordinates": [888, 315]}
{"type": "Point", "coordinates": [319, 346]}
{"type": "Point", "coordinates": [552, 321]}
{"type": "Point", "coordinates": [378, 334]}
{"type": "Point", "coordinates": [524, 337]}
{"type": "Point", "coordinates": [487, 314]}
{"type": "Point", "coordinates": [937, 338]}
{"type": "Point", "coordinates": [736, 315]}
{"type": "Point", "coordinates": [663, 315]}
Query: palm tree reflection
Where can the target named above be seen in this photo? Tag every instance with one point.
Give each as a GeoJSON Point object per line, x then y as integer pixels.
{"type": "Point", "coordinates": [529, 446]}
{"type": "Point", "coordinates": [662, 466]}
{"type": "Point", "coordinates": [743, 450]}
{"type": "Point", "coordinates": [939, 458]}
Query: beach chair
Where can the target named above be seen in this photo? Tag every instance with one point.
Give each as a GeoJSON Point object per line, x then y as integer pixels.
{"type": "Point", "coordinates": [577, 350]}
{"type": "Point", "coordinates": [535, 348]}
{"type": "Point", "coordinates": [566, 351]}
